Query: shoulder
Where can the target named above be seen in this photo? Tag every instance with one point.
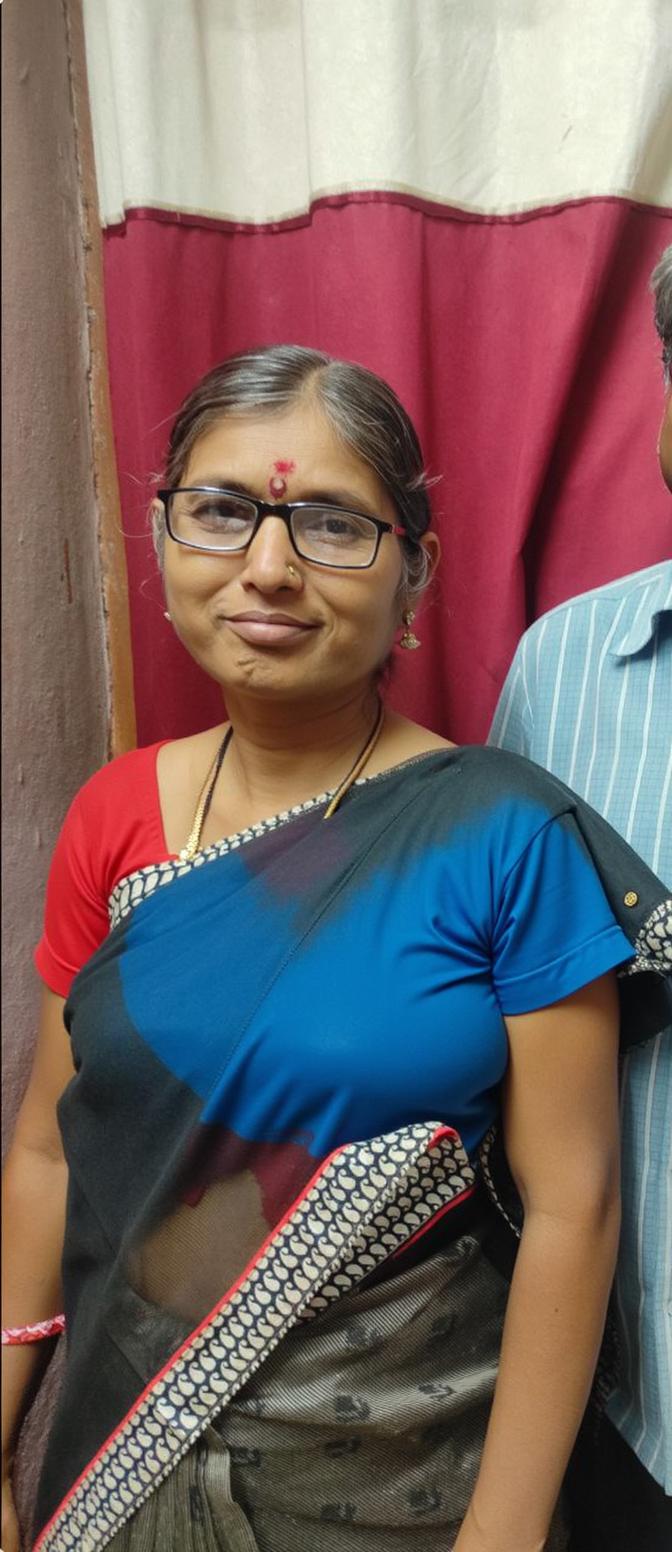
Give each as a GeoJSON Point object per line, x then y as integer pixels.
{"type": "Point", "coordinates": [504, 796]}
{"type": "Point", "coordinates": [128, 778]}
{"type": "Point", "coordinates": [501, 777]}
{"type": "Point", "coordinates": [586, 613]}
{"type": "Point", "coordinates": [112, 826]}
{"type": "Point", "coordinates": [512, 838]}
{"type": "Point", "coordinates": [114, 822]}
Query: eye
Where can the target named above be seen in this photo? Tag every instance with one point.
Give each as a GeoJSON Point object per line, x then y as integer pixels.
{"type": "Point", "coordinates": [226, 514]}
{"type": "Point", "coordinates": [336, 527]}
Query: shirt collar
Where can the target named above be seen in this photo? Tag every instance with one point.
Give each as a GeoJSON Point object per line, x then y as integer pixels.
{"type": "Point", "coordinates": [642, 615]}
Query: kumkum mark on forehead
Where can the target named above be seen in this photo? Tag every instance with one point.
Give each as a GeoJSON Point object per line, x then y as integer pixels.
{"type": "Point", "coordinates": [277, 484]}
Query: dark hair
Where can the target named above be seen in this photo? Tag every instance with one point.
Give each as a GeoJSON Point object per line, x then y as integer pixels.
{"type": "Point", "coordinates": [361, 408]}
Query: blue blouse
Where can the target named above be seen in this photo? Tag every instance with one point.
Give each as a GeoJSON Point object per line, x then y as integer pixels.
{"type": "Point", "coordinates": [385, 1006]}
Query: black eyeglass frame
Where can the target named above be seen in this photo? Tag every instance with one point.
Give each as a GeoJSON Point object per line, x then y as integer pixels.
{"type": "Point", "coordinates": [285, 511]}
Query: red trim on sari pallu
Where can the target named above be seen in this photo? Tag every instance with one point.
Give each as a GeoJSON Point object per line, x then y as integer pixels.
{"type": "Point", "coordinates": [187, 1343]}
{"type": "Point", "coordinates": [18, 1336]}
{"type": "Point", "coordinates": [365, 1202]}
{"type": "Point", "coordinates": [463, 1197]}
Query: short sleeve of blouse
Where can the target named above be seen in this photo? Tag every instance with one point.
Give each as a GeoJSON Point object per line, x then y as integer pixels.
{"type": "Point", "coordinates": [554, 929]}
{"type": "Point", "coordinates": [75, 916]}
{"type": "Point", "coordinates": [112, 826]}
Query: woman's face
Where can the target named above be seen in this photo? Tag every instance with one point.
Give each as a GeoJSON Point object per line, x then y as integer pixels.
{"type": "Point", "coordinates": [341, 623]}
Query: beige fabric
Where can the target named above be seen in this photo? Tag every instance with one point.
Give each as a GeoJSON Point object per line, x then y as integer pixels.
{"type": "Point", "coordinates": [193, 1510]}
{"type": "Point", "coordinates": [249, 111]}
{"type": "Point", "coordinates": [361, 1433]}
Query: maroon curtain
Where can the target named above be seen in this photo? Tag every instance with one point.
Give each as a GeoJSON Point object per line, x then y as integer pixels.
{"type": "Point", "coordinates": [522, 346]}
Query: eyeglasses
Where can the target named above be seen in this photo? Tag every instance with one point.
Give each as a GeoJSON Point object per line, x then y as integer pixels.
{"type": "Point", "coordinates": [223, 522]}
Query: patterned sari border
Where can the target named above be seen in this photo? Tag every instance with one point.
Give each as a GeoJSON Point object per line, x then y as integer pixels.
{"type": "Point", "coordinates": [364, 1203]}
{"type": "Point", "coordinates": [137, 886]}
{"type": "Point", "coordinates": [653, 944]}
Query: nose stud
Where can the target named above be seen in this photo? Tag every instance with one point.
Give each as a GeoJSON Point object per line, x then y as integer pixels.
{"type": "Point", "coordinates": [292, 572]}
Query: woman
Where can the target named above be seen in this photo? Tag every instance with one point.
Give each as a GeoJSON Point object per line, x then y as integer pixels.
{"type": "Point", "coordinates": [283, 1311]}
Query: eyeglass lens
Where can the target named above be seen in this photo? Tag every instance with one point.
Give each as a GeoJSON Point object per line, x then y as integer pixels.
{"type": "Point", "coordinates": [213, 521]}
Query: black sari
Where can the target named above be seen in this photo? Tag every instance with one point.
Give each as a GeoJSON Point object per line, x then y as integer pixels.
{"type": "Point", "coordinates": [289, 1219]}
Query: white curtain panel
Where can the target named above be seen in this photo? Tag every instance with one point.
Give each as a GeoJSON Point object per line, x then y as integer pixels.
{"type": "Point", "coordinates": [250, 110]}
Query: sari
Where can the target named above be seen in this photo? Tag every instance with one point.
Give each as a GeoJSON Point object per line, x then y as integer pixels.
{"type": "Point", "coordinates": [290, 1221]}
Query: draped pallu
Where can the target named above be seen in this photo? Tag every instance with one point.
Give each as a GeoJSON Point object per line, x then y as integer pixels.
{"type": "Point", "coordinates": [282, 1139]}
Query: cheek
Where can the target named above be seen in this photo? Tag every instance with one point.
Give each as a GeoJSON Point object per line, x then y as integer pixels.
{"type": "Point", "coordinates": [191, 579]}
{"type": "Point", "coordinates": [388, 605]}
{"type": "Point", "coordinates": [383, 583]}
{"type": "Point", "coordinates": [371, 613]}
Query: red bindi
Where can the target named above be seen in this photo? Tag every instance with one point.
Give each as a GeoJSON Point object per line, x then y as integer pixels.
{"type": "Point", "coordinates": [278, 484]}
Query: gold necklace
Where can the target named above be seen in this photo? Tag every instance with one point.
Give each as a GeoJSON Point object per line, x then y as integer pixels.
{"type": "Point", "coordinates": [189, 850]}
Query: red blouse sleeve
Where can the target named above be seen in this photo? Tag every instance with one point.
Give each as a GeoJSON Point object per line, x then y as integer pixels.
{"type": "Point", "coordinates": [112, 827]}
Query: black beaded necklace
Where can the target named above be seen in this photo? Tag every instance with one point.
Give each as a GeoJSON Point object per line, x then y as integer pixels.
{"type": "Point", "coordinates": [189, 851]}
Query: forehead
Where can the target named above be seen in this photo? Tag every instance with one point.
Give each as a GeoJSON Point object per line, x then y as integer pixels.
{"type": "Point", "coordinates": [247, 448]}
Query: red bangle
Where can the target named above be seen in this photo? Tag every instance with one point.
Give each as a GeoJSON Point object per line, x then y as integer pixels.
{"type": "Point", "coordinates": [15, 1336]}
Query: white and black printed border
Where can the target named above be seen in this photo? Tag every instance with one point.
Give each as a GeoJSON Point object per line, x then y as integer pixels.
{"type": "Point", "coordinates": [653, 944]}
{"type": "Point", "coordinates": [139, 885]}
{"type": "Point", "coordinates": [366, 1202]}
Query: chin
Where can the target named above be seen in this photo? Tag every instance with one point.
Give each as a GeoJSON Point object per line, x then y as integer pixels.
{"type": "Point", "coordinates": [256, 673]}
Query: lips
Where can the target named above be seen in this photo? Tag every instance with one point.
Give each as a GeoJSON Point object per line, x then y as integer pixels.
{"type": "Point", "coordinates": [269, 630]}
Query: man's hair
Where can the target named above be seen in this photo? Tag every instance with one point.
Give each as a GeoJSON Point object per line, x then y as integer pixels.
{"type": "Point", "coordinates": [661, 285]}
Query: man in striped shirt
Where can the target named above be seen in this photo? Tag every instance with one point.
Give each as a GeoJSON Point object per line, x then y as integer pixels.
{"type": "Point", "coordinates": [589, 696]}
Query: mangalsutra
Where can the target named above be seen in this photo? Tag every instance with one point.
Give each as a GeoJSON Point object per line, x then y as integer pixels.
{"type": "Point", "coordinates": [189, 851]}
{"type": "Point", "coordinates": [356, 769]}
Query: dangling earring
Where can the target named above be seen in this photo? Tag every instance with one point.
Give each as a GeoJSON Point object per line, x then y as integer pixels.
{"type": "Point", "coordinates": [409, 641]}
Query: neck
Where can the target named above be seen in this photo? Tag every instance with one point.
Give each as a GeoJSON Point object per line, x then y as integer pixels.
{"type": "Point", "coordinates": [277, 749]}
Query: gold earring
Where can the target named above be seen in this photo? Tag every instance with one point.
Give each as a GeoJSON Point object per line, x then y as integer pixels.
{"type": "Point", "coordinates": [409, 641]}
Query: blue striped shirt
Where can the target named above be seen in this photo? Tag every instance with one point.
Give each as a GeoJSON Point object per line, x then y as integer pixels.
{"type": "Point", "coordinates": [589, 696]}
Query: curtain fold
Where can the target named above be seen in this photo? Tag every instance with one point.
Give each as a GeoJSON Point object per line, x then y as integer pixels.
{"type": "Point", "coordinates": [468, 199]}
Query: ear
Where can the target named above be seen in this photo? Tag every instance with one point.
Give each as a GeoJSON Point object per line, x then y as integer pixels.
{"type": "Point", "coordinates": [431, 544]}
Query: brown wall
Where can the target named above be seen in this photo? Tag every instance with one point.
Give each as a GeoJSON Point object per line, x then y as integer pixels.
{"type": "Point", "coordinates": [64, 593]}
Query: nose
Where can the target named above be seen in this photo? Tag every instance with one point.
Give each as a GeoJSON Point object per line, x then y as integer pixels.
{"type": "Point", "coordinates": [270, 561]}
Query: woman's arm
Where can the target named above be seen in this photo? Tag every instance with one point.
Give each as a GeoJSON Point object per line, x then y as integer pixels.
{"type": "Point", "coordinates": [561, 1134]}
{"type": "Point", "coordinates": [33, 1212]}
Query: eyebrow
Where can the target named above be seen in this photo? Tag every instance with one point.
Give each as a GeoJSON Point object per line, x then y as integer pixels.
{"type": "Point", "coordinates": [333, 496]}
{"type": "Point", "coordinates": [338, 497]}
{"type": "Point", "coordinates": [219, 482]}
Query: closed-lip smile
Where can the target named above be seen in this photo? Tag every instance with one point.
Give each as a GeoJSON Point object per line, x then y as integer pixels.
{"type": "Point", "coordinates": [269, 619]}
{"type": "Point", "coordinates": [267, 628]}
